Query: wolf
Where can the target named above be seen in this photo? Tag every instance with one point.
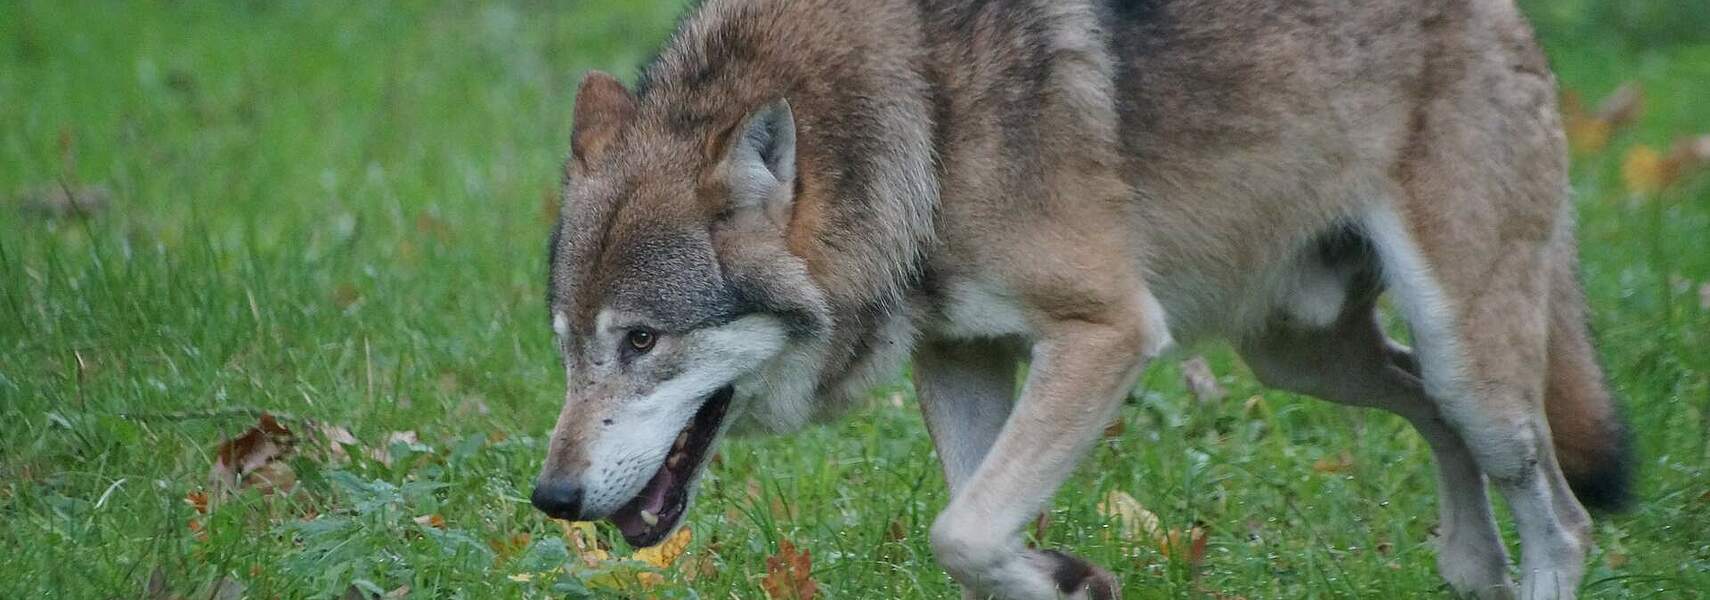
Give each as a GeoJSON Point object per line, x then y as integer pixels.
{"type": "Point", "coordinates": [797, 197]}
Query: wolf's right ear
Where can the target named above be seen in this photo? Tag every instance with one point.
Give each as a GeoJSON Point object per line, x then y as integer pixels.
{"type": "Point", "coordinates": [759, 163]}
{"type": "Point", "coordinates": [603, 107]}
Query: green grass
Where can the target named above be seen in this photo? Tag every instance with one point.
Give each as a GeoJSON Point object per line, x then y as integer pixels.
{"type": "Point", "coordinates": [335, 211]}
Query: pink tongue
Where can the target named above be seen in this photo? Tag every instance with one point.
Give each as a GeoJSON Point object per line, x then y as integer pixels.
{"type": "Point", "coordinates": [651, 499]}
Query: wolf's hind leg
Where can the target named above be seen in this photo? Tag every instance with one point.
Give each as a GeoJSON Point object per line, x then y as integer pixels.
{"type": "Point", "coordinates": [1481, 329]}
{"type": "Point", "coordinates": [1352, 362]}
{"type": "Point", "coordinates": [1080, 372]}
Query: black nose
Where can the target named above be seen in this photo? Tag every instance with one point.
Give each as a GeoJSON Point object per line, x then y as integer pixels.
{"type": "Point", "coordinates": [558, 499]}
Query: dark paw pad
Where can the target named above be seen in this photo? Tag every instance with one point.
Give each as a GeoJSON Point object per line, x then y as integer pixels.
{"type": "Point", "coordinates": [1073, 574]}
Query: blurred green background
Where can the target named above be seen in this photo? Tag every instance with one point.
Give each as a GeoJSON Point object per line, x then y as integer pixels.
{"type": "Point", "coordinates": [338, 211]}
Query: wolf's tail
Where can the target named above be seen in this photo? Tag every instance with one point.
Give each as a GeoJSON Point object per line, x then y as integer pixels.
{"type": "Point", "coordinates": [1590, 433]}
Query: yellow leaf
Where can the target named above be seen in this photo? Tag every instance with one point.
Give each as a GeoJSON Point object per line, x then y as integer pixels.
{"type": "Point", "coordinates": [663, 555]}
{"type": "Point", "coordinates": [1134, 522]}
{"type": "Point", "coordinates": [1644, 171]}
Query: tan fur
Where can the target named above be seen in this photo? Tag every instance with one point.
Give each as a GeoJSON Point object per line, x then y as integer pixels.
{"type": "Point", "coordinates": [1084, 183]}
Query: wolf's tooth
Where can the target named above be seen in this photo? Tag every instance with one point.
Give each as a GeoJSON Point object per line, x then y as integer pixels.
{"type": "Point", "coordinates": [682, 438]}
{"type": "Point", "coordinates": [676, 459]}
{"type": "Point", "coordinates": [649, 518]}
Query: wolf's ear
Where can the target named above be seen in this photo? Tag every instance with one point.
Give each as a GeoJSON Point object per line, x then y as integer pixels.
{"type": "Point", "coordinates": [603, 107]}
{"type": "Point", "coordinates": [760, 160]}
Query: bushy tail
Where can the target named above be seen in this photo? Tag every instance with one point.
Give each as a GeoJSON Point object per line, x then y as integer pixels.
{"type": "Point", "coordinates": [1590, 433]}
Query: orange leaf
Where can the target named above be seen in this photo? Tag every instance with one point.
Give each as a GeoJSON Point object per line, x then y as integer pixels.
{"type": "Point", "coordinates": [434, 520]}
{"type": "Point", "coordinates": [789, 574]}
{"type": "Point", "coordinates": [198, 500]}
{"type": "Point", "coordinates": [1189, 547]}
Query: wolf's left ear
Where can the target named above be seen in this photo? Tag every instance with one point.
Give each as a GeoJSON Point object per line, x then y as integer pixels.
{"type": "Point", "coordinates": [760, 161]}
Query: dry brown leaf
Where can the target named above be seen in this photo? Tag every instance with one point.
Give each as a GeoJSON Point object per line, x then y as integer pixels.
{"type": "Point", "coordinates": [59, 201]}
{"type": "Point", "coordinates": [1340, 463]}
{"type": "Point", "coordinates": [1197, 375]}
{"type": "Point", "coordinates": [345, 295]}
{"type": "Point", "coordinates": [155, 589]}
{"type": "Point", "coordinates": [224, 588]}
{"type": "Point", "coordinates": [336, 438]}
{"type": "Point", "coordinates": [434, 520]}
{"type": "Point", "coordinates": [1116, 428]}
{"type": "Point", "coordinates": [1188, 547]}
{"type": "Point", "coordinates": [1133, 522]}
{"type": "Point", "coordinates": [197, 499]}
{"type": "Point", "coordinates": [789, 574]}
{"type": "Point", "coordinates": [1622, 106]}
{"type": "Point", "coordinates": [506, 547]}
{"type": "Point", "coordinates": [383, 453]}
{"type": "Point", "coordinates": [273, 477]}
{"type": "Point", "coordinates": [254, 459]}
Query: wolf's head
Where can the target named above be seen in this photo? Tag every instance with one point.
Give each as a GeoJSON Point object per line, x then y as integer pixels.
{"type": "Point", "coordinates": [670, 285]}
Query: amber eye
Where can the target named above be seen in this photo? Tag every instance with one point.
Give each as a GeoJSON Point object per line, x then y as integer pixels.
{"type": "Point", "coordinates": [641, 339]}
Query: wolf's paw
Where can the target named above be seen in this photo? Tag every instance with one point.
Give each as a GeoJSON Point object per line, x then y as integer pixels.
{"type": "Point", "coordinates": [1077, 578]}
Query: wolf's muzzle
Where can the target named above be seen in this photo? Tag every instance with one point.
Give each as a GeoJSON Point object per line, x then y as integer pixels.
{"type": "Point", "coordinates": [559, 499]}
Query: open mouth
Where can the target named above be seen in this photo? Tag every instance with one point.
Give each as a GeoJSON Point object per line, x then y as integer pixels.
{"type": "Point", "coordinates": [657, 510]}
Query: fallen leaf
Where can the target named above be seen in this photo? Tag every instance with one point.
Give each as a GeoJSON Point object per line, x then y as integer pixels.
{"type": "Point", "coordinates": [345, 295]}
{"type": "Point", "coordinates": [583, 540]}
{"type": "Point", "coordinates": [434, 520]}
{"type": "Point", "coordinates": [273, 477]}
{"type": "Point", "coordinates": [1197, 375]}
{"type": "Point", "coordinates": [224, 588]}
{"type": "Point", "coordinates": [1589, 132]}
{"type": "Point", "coordinates": [59, 201]}
{"type": "Point", "coordinates": [155, 589]}
{"type": "Point", "coordinates": [1622, 106]}
{"type": "Point", "coordinates": [665, 553]}
{"type": "Point", "coordinates": [1643, 170]}
{"type": "Point", "coordinates": [336, 438]}
{"type": "Point", "coordinates": [1188, 547]}
{"type": "Point", "coordinates": [383, 453]}
{"type": "Point", "coordinates": [1133, 522]}
{"type": "Point", "coordinates": [1339, 463]}
{"type": "Point", "coordinates": [254, 459]}
{"type": "Point", "coordinates": [473, 406]}
{"type": "Point", "coordinates": [428, 224]}
{"type": "Point", "coordinates": [198, 500]}
{"type": "Point", "coordinates": [506, 547]}
{"type": "Point", "coordinates": [1116, 428]}
{"type": "Point", "coordinates": [789, 574]}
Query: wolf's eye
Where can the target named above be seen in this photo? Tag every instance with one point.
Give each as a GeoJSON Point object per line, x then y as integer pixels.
{"type": "Point", "coordinates": [641, 339]}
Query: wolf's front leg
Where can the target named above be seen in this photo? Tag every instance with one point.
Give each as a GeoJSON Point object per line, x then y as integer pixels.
{"type": "Point", "coordinates": [1080, 372]}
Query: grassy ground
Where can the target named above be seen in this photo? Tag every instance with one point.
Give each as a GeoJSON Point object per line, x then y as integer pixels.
{"type": "Point", "coordinates": [335, 211]}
